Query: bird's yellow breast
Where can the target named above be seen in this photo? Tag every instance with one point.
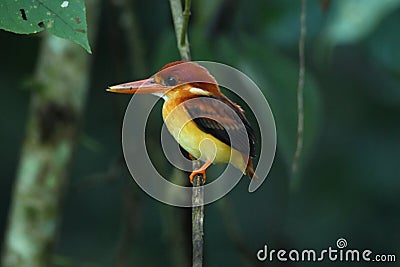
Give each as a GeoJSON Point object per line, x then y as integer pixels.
{"type": "Point", "coordinates": [198, 143]}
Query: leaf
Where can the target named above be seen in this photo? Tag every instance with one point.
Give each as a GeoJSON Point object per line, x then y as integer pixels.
{"type": "Point", "coordinates": [63, 18]}
{"type": "Point", "coordinates": [383, 45]}
{"type": "Point", "coordinates": [354, 19]}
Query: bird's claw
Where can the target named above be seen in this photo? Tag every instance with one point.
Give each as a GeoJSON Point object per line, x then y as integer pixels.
{"type": "Point", "coordinates": [197, 172]}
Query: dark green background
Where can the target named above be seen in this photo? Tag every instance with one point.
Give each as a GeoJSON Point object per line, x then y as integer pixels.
{"type": "Point", "coordinates": [349, 184]}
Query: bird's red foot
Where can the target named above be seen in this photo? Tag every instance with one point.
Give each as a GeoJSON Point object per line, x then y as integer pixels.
{"type": "Point", "coordinates": [201, 171]}
{"type": "Point", "coordinates": [193, 174]}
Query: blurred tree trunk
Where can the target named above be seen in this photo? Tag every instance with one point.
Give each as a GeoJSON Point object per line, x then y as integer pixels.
{"type": "Point", "coordinates": [56, 106]}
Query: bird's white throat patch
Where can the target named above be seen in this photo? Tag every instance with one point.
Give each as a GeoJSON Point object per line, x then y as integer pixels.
{"type": "Point", "coordinates": [199, 91]}
{"type": "Point", "coordinates": [161, 95]}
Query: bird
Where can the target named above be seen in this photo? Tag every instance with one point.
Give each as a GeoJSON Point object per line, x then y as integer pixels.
{"type": "Point", "coordinates": [194, 110]}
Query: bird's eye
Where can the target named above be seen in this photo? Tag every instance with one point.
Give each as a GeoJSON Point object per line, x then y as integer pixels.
{"type": "Point", "coordinates": [171, 81]}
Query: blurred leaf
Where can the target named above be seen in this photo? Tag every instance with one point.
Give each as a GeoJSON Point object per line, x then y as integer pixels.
{"type": "Point", "coordinates": [90, 143]}
{"type": "Point", "coordinates": [65, 19]}
{"type": "Point", "coordinates": [383, 44]}
{"type": "Point", "coordinates": [284, 30]}
{"type": "Point", "coordinates": [325, 5]}
{"type": "Point", "coordinates": [354, 19]}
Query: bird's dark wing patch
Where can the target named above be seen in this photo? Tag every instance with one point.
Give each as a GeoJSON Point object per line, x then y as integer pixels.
{"type": "Point", "coordinates": [218, 116]}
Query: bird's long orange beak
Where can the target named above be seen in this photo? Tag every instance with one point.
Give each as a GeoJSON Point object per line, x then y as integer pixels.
{"type": "Point", "coordinates": [146, 86]}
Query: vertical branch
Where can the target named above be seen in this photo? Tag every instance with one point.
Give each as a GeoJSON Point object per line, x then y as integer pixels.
{"type": "Point", "coordinates": [300, 90]}
{"type": "Point", "coordinates": [180, 24]}
{"type": "Point", "coordinates": [56, 107]}
{"type": "Point", "coordinates": [181, 21]}
{"type": "Point", "coordinates": [197, 217]}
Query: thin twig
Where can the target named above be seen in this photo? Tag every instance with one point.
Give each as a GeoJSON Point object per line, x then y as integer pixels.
{"type": "Point", "coordinates": [300, 91]}
{"type": "Point", "coordinates": [181, 22]}
{"type": "Point", "coordinates": [186, 15]}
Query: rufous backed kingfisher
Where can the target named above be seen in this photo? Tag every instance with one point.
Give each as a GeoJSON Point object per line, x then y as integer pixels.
{"type": "Point", "coordinates": [191, 123]}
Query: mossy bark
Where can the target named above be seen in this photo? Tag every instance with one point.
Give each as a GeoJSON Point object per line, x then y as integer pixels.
{"type": "Point", "coordinates": [57, 101]}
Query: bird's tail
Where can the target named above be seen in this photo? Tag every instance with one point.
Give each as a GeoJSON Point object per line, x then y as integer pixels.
{"type": "Point", "coordinates": [250, 170]}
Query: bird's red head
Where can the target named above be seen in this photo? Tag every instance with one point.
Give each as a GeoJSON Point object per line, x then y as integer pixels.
{"type": "Point", "coordinates": [180, 76]}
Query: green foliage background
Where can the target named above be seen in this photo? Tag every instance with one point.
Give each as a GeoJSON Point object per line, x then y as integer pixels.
{"type": "Point", "coordinates": [349, 184]}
